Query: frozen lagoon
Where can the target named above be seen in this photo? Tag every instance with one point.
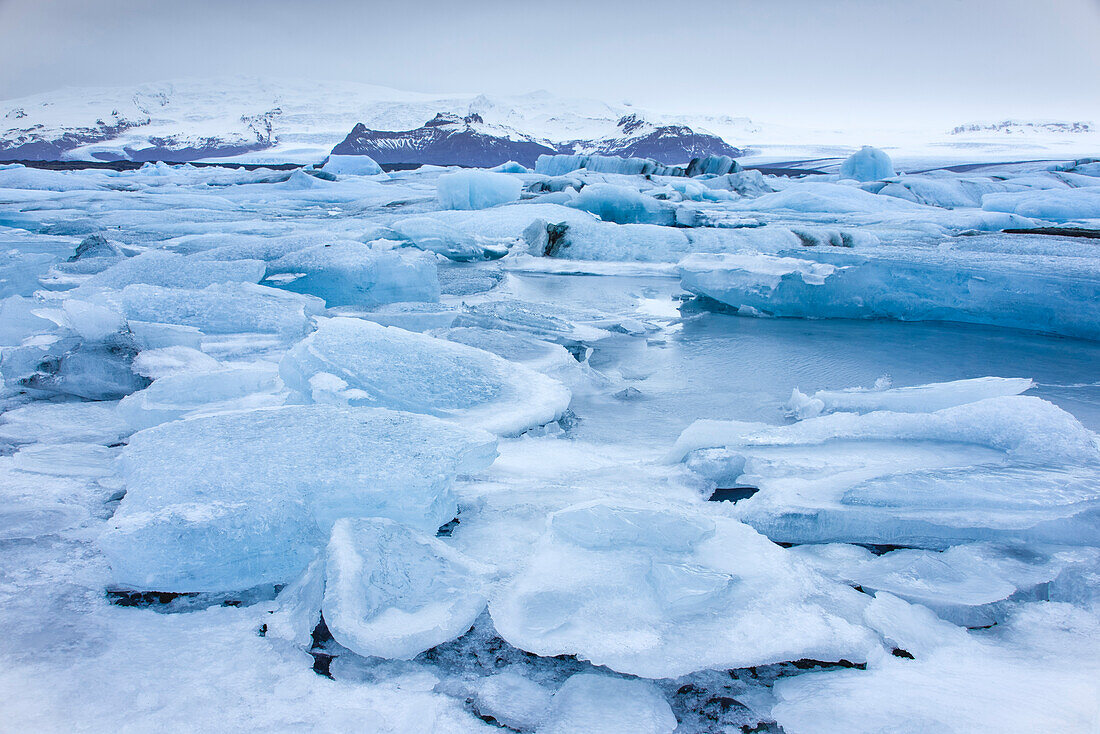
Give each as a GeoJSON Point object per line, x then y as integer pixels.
{"type": "Point", "coordinates": [585, 514]}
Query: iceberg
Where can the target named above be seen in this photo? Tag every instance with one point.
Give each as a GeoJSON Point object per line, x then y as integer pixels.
{"type": "Point", "coordinates": [511, 167]}
{"type": "Point", "coordinates": [234, 500]}
{"type": "Point", "coordinates": [361, 363]}
{"type": "Point", "coordinates": [476, 189]}
{"type": "Point", "coordinates": [393, 592]}
{"type": "Point", "coordinates": [434, 235]}
{"type": "Point", "coordinates": [661, 592]}
{"type": "Point", "coordinates": [623, 205]}
{"type": "Point", "coordinates": [351, 165]}
{"type": "Point", "coordinates": [867, 164]}
{"type": "Point", "coordinates": [559, 165]}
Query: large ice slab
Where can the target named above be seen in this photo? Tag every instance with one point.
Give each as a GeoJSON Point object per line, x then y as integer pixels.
{"type": "Point", "coordinates": [357, 362]}
{"type": "Point", "coordinates": [559, 165]}
{"type": "Point", "coordinates": [917, 399]}
{"type": "Point", "coordinates": [170, 270]}
{"type": "Point", "coordinates": [1043, 296]}
{"type": "Point", "coordinates": [1056, 205]}
{"type": "Point", "coordinates": [393, 592]}
{"type": "Point", "coordinates": [63, 423]}
{"type": "Point", "coordinates": [1012, 467]}
{"type": "Point", "coordinates": [968, 585]}
{"type": "Point", "coordinates": [234, 500]}
{"type": "Point", "coordinates": [435, 235]}
{"type": "Point", "coordinates": [220, 309]}
{"type": "Point", "coordinates": [623, 205]}
{"type": "Point", "coordinates": [476, 189]}
{"type": "Point", "coordinates": [216, 390]}
{"type": "Point", "coordinates": [662, 591]}
{"type": "Point", "coordinates": [348, 273]}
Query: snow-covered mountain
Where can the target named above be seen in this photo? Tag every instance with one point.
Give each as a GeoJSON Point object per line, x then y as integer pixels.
{"type": "Point", "coordinates": [269, 121]}
{"type": "Point", "coordinates": [469, 141]}
{"type": "Point", "coordinates": [448, 140]}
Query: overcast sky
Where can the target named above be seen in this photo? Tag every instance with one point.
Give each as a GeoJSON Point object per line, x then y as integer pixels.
{"type": "Point", "coordinates": [821, 61]}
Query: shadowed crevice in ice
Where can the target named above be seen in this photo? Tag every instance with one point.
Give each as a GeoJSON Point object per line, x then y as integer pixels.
{"type": "Point", "coordinates": [169, 602]}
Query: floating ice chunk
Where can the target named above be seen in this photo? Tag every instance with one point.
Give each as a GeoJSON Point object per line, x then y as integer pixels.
{"type": "Point", "coordinates": [390, 367]}
{"type": "Point", "coordinates": [184, 393]}
{"type": "Point", "coordinates": [431, 234]}
{"type": "Point", "coordinates": [1058, 205]}
{"type": "Point", "coordinates": [20, 272]}
{"type": "Point", "coordinates": [601, 703]}
{"type": "Point", "coordinates": [671, 592]}
{"type": "Point", "coordinates": [157, 363]}
{"type": "Point", "coordinates": [1013, 467]}
{"type": "Point", "coordinates": [159, 336]}
{"type": "Point", "coordinates": [351, 273]}
{"type": "Point", "coordinates": [230, 501]}
{"type": "Point", "coordinates": [960, 583]}
{"type": "Point", "coordinates": [623, 205]}
{"type": "Point", "coordinates": [713, 165]}
{"type": "Point", "coordinates": [475, 189]}
{"type": "Point", "coordinates": [746, 183]}
{"type": "Point", "coordinates": [917, 399]}
{"type": "Point", "coordinates": [66, 459]}
{"type": "Point", "coordinates": [867, 164]}
{"type": "Point", "coordinates": [29, 521]}
{"type": "Point", "coordinates": [298, 606]}
{"type": "Point", "coordinates": [749, 273]}
{"type": "Point", "coordinates": [1024, 427]}
{"type": "Point", "coordinates": [559, 165]}
{"type": "Point", "coordinates": [513, 700]}
{"type": "Point", "coordinates": [963, 584]}
{"type": "Point", "coordinates": [221, 309]}
{"type": "Point", "coordinates": [94, 370]}
{"type": "Point", "coordinates": [393, 592]}
{"type": "Point", "coordinates": [351, 165]}
{"type": "Point", "coordinates": [63, 423]}
{"type": "Point", "coordinates": [541, 356]}
{"type": "Point", "coordinates": [18, 320]}
{"type": "Point", "coordinates": [91, 321]}
{"type": "Point", "coordinates": [170, 270]}
{"type": "Point", "coordinates": [817, 196]}
{"type": "Point", "coordinates": [511, 167]}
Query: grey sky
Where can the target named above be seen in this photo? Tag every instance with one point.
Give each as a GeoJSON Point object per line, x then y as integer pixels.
{"type": "Point", "coordinates": [801, 61]}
